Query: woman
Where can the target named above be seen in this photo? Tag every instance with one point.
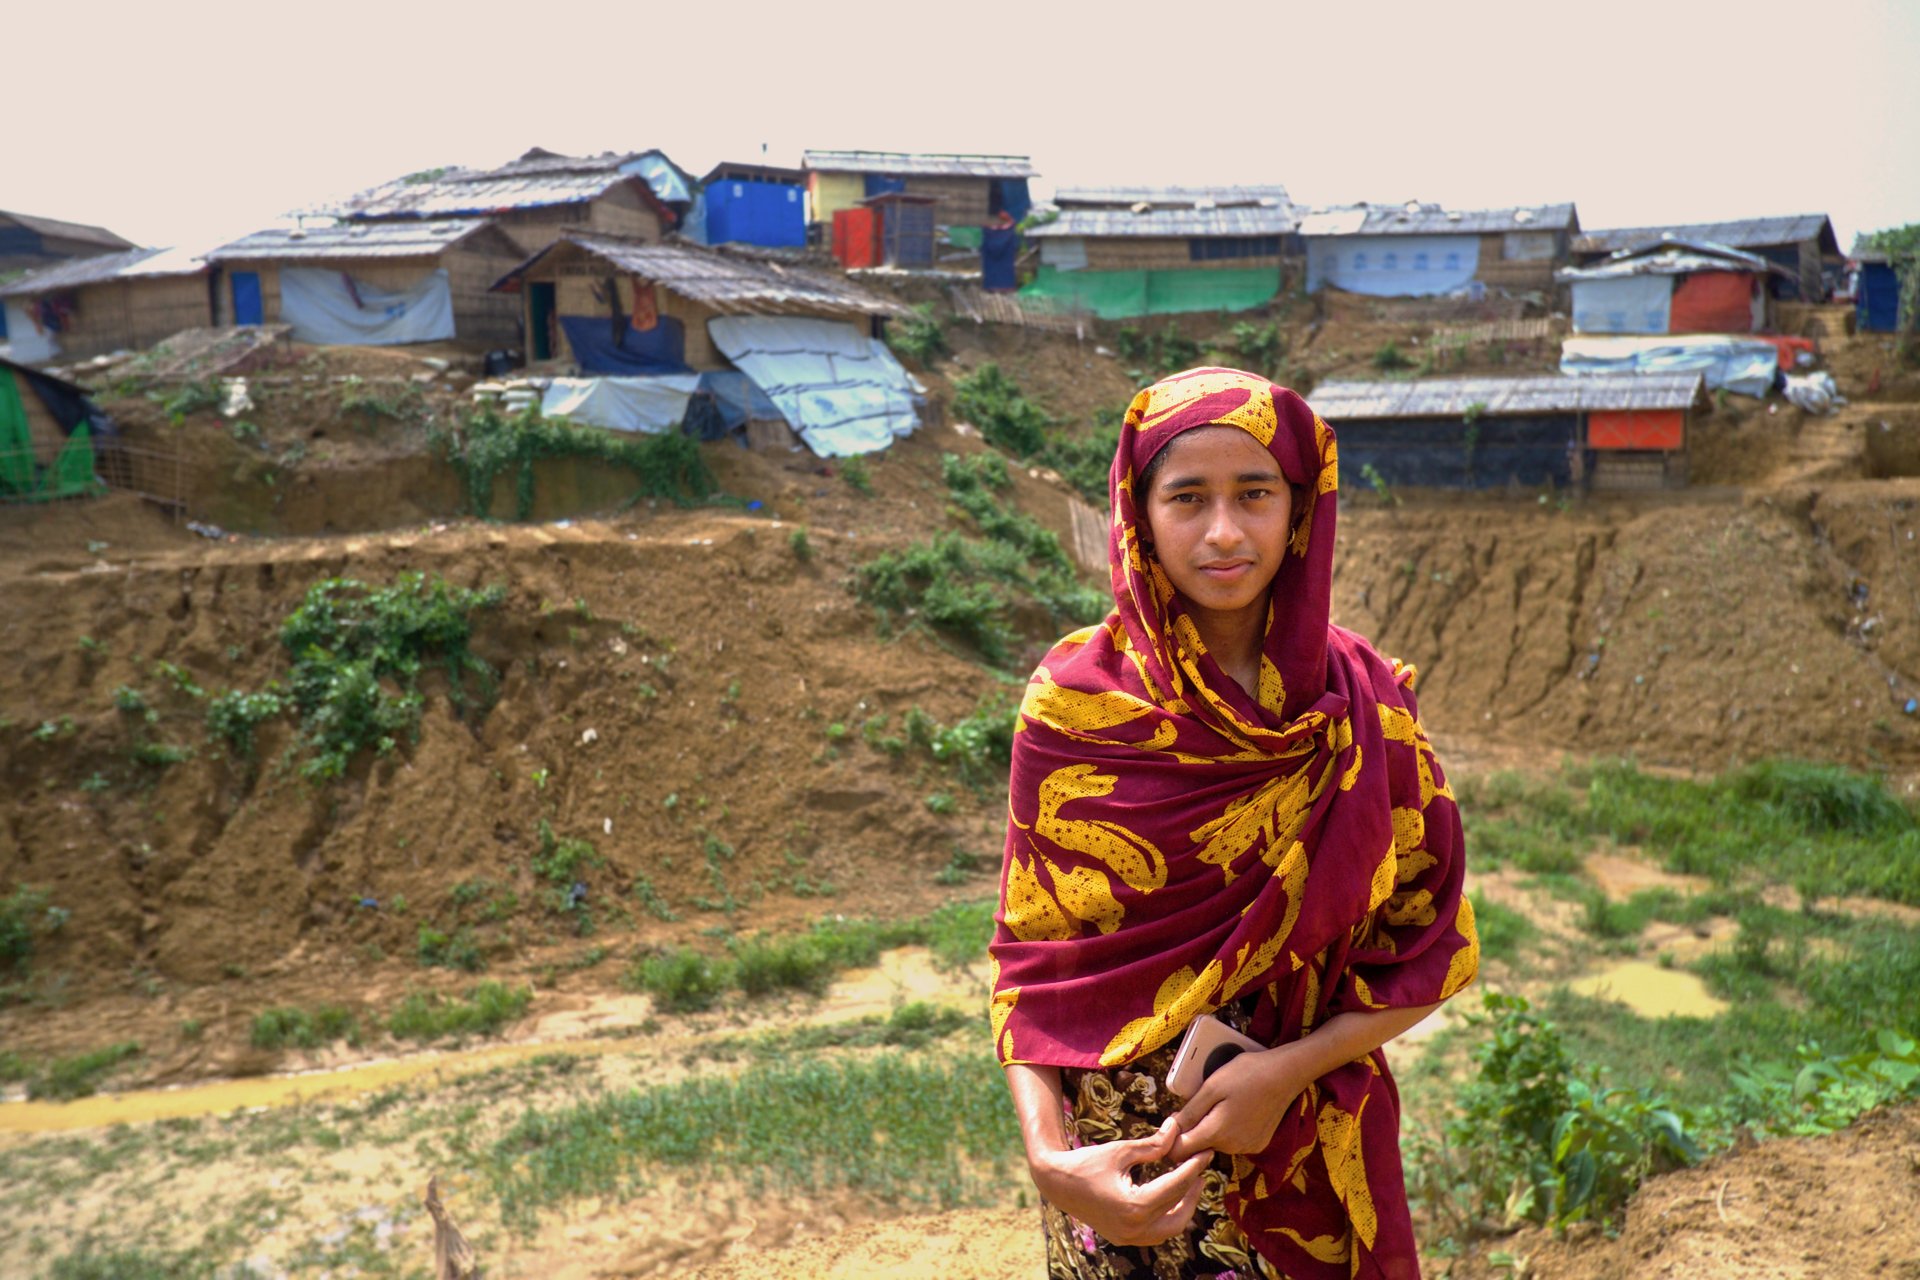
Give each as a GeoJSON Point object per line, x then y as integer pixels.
{"type": "Point", "coordinates": [1222, 803]}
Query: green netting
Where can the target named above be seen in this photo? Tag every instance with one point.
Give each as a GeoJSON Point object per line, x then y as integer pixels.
{"type": "Point", "coordinates": [16, 442]}
{"type": "Point", "coordinates": [1118, 295]}
{"type": "Point", "coordinates": [21, 477]}
{"type": "Point", "coordinates": [964, 237]}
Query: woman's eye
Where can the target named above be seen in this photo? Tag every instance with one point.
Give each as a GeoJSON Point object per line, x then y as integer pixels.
{"type": "Point", "coordinates": [1256, 493]}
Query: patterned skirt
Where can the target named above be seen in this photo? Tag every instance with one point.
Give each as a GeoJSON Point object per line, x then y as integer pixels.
{"type": "Point", "coordinates": [1131, 1102]}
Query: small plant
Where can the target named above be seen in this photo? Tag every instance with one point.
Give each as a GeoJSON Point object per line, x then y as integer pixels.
{"type": "Point", "coordinates": [130, 701]}
{"type": "Point", "coordinates": [26, 915]}
{"type": "Point", "coordinates": [81, 1074]}
{"type": "Point", "coordinates": [160, 755]}
{"type": "Point", "coordinates": [456, 950]}
{"type": "Point", "coordinates": [1388, 358]}
{"type": "Point", "coordinates": [244, 432]}
{"type": "Point", "coordinates": [854, 471]}
{"type": "Point", "coordinates": [488, 443]}
{"type": "Point", "coordinates": [290, 1027]}
{"type": "Point", "coordinates": [488, 1007]}
{"type": "Point", "coordinates": [918, 335]}
{"type": "Point", "coordinates": [681, 980]}
{"type": "Point", "coordinates": [800, 545]}
{"type": "Point", "coordinates": [994, 403]}
{"type": "Point", "coordinates": [90, 647]}
{"type": "Point", "coordinates": [49, 730]}
{"type": "Point", "coordinates": [1258, 345]}
{"type": "Point", "coordinates": [1378, 483]}
{"type": "Point", "coordinates": [941, 803]}
{"type": "Point", "coordinates": [563, 860]}
{"type": "Point", "coordinates": [234, 716]}
{"type": "Point", "coordinates": [198, 396]}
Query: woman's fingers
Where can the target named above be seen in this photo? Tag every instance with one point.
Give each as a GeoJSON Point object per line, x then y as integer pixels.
{"type": "Point", "coordinates": [1159, 1208]}
{"type": "Point", "coordinates": [1175, 1220]}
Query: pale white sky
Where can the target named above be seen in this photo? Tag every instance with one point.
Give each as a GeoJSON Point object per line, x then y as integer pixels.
{"type": "Point", "coordinates": [196, 122]}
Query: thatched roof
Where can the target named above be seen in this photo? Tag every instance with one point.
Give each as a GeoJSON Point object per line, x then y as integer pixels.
{"type": "Point", "coordinates": [403, 239]}
{"type": "Point", "coordinates": [134, 263]}
{"type": "Point", "coordinates": [732, 284]}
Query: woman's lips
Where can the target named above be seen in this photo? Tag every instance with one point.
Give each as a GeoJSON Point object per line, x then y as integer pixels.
{"type": "Point", "coordinates": [1227, 572]}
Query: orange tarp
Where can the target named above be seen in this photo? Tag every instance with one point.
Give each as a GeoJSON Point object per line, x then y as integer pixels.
{"type": "Point", "coordinates": [1636, 429]}
{"type": "Point", "coordinates": [1713, 302]}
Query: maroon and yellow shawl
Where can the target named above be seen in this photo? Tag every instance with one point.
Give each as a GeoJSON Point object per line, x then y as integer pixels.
{"type": "Point", "coordinates": [1174, 844]}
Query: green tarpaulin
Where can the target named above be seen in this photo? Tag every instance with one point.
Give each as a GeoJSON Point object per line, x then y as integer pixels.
{"type": "Point", "coordinates": [1118, 295]}
{"type": "Point", "coordinates": [21, 476]}
{"type": "Point", "coordinates": [964, 237]}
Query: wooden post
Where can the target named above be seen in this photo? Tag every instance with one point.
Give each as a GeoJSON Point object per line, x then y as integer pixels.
{"type": "Point", "coordinates": [453, 1257]}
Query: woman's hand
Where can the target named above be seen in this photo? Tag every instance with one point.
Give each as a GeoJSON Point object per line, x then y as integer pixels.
{"type": "Point", "coordinates": [1095, 1185]}
{"type": "Point", "coordinates": [1241, 1104]}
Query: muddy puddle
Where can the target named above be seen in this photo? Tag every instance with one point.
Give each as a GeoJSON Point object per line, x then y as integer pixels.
{"type": "Point", "coordinates": [1651, 990]}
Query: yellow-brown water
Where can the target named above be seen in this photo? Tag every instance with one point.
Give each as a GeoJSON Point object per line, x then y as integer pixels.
{"type": "Point", "coordinates": [1651, 991]}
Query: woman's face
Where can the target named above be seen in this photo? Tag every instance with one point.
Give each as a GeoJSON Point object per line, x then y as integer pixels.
{"type": "Point", "coordinates": [1219, 514]}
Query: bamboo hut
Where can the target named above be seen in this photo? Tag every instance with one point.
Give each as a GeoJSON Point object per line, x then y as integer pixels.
{"type": "Point", "coordinates": [1422, 250]}
{"type": "Point", "coordinates": [1803, 245]}
{"type": "Point", "coordinates": [618, 305]}
{"type": "Point", "coordinates": [969, 190]}
{"type": "Point", "coordinates": [371, 283]}
{"type": "Point", "coordinates": [28, 241]}
{"type": "Point", "coordinates": [641, 195]}
{"type": "Point", "coordinates": [116, 302]}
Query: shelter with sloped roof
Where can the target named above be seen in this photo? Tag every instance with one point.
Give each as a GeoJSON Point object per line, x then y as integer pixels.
{"type": "Point", "coordinates": [1672, 286]}
{"type": "Point", "coordinates": [1803, 244]}
{"type": "Point", "coordinates": [749, 203]}
{"type": "Point", "coordinates": [967, 190]}
{"type": "Point", "coordinates": [28, 241]}
{"type": "Point", "coordinates": [1876, 287]}
{"type": "Point", "coordinates": [1607, 430]}
{"type": "Point", "coordinates": [371, 283]}
{"type": "Point", "coordinates": [1158, 258]}
{"type": "Point", "coordinates": [1416, 250]}
{"type": "Point", "coordinates": [533, 198]}
{"type": "Point", "coordinates": [616, 305]}
{"type": "Point", "coordinates": [115, 302]}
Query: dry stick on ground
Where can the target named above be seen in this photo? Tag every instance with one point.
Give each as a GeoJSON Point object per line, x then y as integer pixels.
{"type": "Point", "coordinates": [452, 1256]}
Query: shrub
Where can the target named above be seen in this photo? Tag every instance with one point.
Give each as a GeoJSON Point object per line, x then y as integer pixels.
{"type": "Point", "coordinates": [783, 964]}
{"type": "Point", "coordinates": [855, 472]}
{"type": "Point", "coordinates": [487, 1008]}
{"type": "Point", "coordinates": [234, 715]}
{"type": "Point", "coordinates": [1388, 358]}
{"type": "Point", "coordinates": [456, 950]}
{"type": "Point", "coordinates": [919, 335]}
{"type": "Point", "coordinates": [994, 403]}
{"type": "Point", "coordinates": [487, 443]}
{"type": "Point", "coordinates": [681, 980]}
{"type": "Point", "coordinates": [287, 1026]}
{"type": "Point", "coordinates": [25, 916]}
{"type": "Point", "coordinates": [79, 1075]}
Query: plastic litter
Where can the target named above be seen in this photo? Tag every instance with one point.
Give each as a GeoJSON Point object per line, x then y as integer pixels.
{"type": "Point", "coordinates": [1814, 392]}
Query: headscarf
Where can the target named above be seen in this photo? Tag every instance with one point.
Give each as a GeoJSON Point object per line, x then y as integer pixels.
{"type": "Point", "coordinates": [1175, 844]}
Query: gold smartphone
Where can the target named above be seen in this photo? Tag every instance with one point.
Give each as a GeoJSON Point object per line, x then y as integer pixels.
{"type": "Point", "coordinates": [1208, 1045]}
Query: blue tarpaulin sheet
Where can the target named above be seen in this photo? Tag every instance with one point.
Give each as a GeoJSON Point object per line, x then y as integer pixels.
{"type": "Point", "coordinates": [1879, 303]}
{"type": "Point", "coordinates": [1392, 266]}
{"type": "Point", "coordinates": [842, 391]}
{"type": "Point", "coordinates": [663, 349]}
{"type": "Point", "coordinates": [999, 247]}
{"type": "Point", "coordinates": [1744, 366]}
{"type": "Point", "coordinates": [1013, 197]}
{"type": "Point", "coordinates": [878, 184]}
{"type": "Point", "coordinates": [765, 213]}
{"type": "Point", "coordinates": [738, 399]}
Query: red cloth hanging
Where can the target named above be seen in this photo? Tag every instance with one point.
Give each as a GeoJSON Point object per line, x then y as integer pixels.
{"type": "Point", "coordinates": [646, 306]}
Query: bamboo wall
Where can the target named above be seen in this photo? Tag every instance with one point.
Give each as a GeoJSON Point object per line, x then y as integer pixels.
{"type": "Point", "coordinates": [963, 201]}
{"type": "Point", "coordinates": [1532, 275]}
{"type": "Point", "coordinates": [1145, 253]}
{"type": "Point", "coordinates": [478, 316]}
{"type": "Point", "coordinates": [624, 212]}
{"type": "Point", "coordinates": [128, 314]}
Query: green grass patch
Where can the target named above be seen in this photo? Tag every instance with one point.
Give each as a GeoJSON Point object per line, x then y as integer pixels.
{"type": "Point", "coordinates": [931, 1131]}
{"type": "Point", "coordinates": [1503, 931]}
{"type": "Point", "coordinates": [79, 1075]}
{"type": "Point", "coordinates": [484, 1010]}
{"type": "Point", "coordinates": [289, 1027]}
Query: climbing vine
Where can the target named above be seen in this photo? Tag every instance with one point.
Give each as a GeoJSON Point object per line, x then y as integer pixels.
{"type": "Point", "coordinates": [488, 443]}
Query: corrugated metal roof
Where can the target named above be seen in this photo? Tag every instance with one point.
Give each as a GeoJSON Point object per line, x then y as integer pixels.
{"type": "Point", "coordinates": [729, 283]}
{"type": "Point", "coordinates": [1415, 219]}
{"type": "Point", "coordinates": [68, 230]}
{"type": "Point", "coordinates": [919, 164]}
{"type": "Point", "coordinates": [750, 171]}
{"type": "Point", "coordinates": [1273, 196]}
{"type": "Point", "coordinates": [1668, 258]}
{"type": "Point", "coordinates": [1743, 233]}
{"type": "Point", "coordinates": [463, 193]}
{"type": "Point", "coordinates": [111, 266]}
{"type": "Point", "coordinates": [1168, 222]}
{"type": "Point", "coordinates": [404, 239]}
{"type": "Point", "coordinates": [1504, 397]}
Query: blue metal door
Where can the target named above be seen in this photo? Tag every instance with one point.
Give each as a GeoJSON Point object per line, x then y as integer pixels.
{"type": "Point", "coordinates": [246, 298]}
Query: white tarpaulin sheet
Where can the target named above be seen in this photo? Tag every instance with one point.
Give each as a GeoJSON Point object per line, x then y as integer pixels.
{"type": "Point", "coordinates": [329, 308]}
{"type": "Point", "coordinates": [1624, 304]}
{"type": "Point", "coordinates": [1064, 253]}
{"type": "Point", "coordinates": [843, 392]}
{"type": "Point", "coordinates": [652, 405]}
{"type": "Point", "coordinates": [27, 344]}
{"type": "Point", "coordinates": [1743, 366]}
{"type": "Point", "coordinates": [1392, 266]}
